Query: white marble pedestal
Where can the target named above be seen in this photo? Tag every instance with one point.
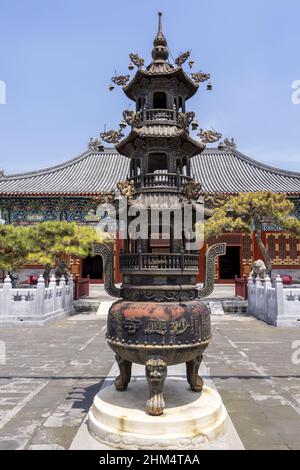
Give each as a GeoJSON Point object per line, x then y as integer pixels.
{"type": "Point", "coordinates": [190, 421]}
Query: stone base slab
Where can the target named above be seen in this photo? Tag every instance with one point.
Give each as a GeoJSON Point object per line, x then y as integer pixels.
{"type": "Point", "coordinates": [288, 321]}
{"type": "Point", "coordinates": [229, 440]}
{"type": "Point", "coordinates": [190, 420]}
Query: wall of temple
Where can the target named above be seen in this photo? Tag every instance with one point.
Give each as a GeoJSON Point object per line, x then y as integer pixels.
{"type": "Point", "coordinates": [24, 211]}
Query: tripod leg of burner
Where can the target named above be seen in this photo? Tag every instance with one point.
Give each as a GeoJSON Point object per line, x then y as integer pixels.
{"type": "Point", "coordinates": [122, 381]}
{"type": "Point", "coordinates": [192, 368]}
{"type": "Point", "coordinates": [156, 373]}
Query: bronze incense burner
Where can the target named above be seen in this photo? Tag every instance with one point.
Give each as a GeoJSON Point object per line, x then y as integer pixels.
{"type": "Point", "coordinates": [160, 320]}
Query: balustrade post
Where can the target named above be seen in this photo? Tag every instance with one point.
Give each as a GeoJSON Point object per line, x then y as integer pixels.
{"type": "Point", "coordinates": [6, 296]}
{"type": "Point", "coordinates": [40, 297]}
{"type": "Point", "coordinates": [257, 285]}
{"type": "Point", "coordinates": [52, 286]}
{"type": "Point", "coordinates": [62, 283]}
{"type": "Point", "coordinates": [250, 295]}
{"type": "Point", "coordinates": [279, 296]}
{"type": "Point", "coordinates": [71, 287]}
{"type": "Point", "coordinates": [267, 285]}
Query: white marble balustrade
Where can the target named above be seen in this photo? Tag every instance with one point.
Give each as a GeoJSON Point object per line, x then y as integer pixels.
{"type": "Point", "coordinates": [277, 306]}
{"type": "Point", "coordinates": [35, 306]}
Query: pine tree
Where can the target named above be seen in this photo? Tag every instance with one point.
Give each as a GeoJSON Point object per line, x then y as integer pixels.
{"type": "Point", "coordinates": [46, 243]}
{"type": "Point", "coordinates": [14, 247]}
{"type": "Point", "coordinates": [249, 212]}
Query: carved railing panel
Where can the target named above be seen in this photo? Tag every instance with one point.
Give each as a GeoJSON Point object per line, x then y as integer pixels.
{"type": "Point", "coordinates": [161, 115]}
{"type": "Point", "coordinates": [161, 180]}
{"type": "Point", "coordinates": [145, 262]}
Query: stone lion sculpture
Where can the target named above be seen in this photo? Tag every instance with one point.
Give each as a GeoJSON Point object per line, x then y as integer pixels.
{"type": "Point", "coordinates": [258, 270]}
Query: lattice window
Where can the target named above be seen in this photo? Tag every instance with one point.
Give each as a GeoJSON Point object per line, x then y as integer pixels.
{"type": "Point", "coordinates": [230, 238]}
{"type": "Point", "coordinates": [247, 247]}
{"type": "Point", "coordinates": [282, 246]}
{"type": "Point", "coordinates": [272, 246]}
{"type": "Point", "coordinates": [293, 248]}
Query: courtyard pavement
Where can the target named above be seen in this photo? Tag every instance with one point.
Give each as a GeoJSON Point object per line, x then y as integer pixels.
{"type": "Point", "coordinates": [53, 372]}
{"type": "Point", "coordinates": [253, 366]}
{"type": "Point", "coordinates": [49, 380]}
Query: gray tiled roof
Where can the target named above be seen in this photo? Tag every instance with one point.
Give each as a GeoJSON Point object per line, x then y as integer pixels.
{"type": "Point", "coordinates": [91, 173]}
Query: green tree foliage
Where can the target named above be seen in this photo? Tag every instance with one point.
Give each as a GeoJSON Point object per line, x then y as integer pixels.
{"type": "Point", "coordinates": [14, 247]}
{"type": "Point", "coordinates": [46, 243]}
{"type": "Point", "coordinates": [52, 241]}
{"type": "Point", "coordinates": [249, 212]}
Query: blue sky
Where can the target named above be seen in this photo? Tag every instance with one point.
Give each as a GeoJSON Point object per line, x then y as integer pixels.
{"type": "Point", "coordinates": [57, 57]}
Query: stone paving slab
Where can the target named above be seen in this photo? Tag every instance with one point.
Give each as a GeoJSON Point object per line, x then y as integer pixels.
{"type": "Point", "coordinates": [49, 380]}
{"type": "Point", "coordinates": [251, 365]}
{"type": "Point", "coordinates": [52, 374]}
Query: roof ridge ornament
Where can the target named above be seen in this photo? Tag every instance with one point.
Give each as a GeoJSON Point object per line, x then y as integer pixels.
{"type": "Point", "coordinates": [120, 80]}
{"type": "Point", "coordinates": [132, 118]}
{"type": "Point", "coordinates": [95, 145]}
{"type": "Point", "coordinates": [137, 60]}
{"type": "Point", "coordinates": [230, 143]}
{"type": "Point", "coordinates": [112, 136]}
{"type": "Point", "coordinates": [200, 77]}
{"type": "Point", "coordinates": [182, 58]}
{"type": "Point", "coordinates": [210, 136]}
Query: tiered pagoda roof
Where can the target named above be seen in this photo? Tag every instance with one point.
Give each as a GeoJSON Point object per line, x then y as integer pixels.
{"type": "Point", "coordinates": [160, 66]}
{"type": "Point", "coordinates": [160, 130]}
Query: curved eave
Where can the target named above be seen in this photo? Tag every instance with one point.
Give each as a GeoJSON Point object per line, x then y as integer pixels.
{"type": "Point", "coordinates": [89, 175]}
{"type": "Point", "coordinates": [94, 174]}
{"type": "Point", "coordinates": [198, 147]}
{"type": "Point", "coordinates": [120, 147]}
{"type": "Point", "coordinates": [191, 85]}
{"type": "Point", "coordinates": [236, 193]}
{"type": "Point", "coordinates": [52, 195]}
{"type": "Point", "coordinates": [129, 87]}
{"type": "Point", "coordinates": [60, 166]}
{"type": "Point", "coordinates": [265, 166]}
{"type": "Point", "coordinates": [231, 172]}
{"type": "Point", "coordinates": [176, 72]}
